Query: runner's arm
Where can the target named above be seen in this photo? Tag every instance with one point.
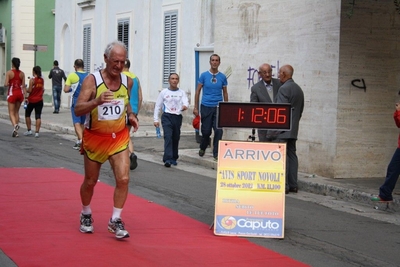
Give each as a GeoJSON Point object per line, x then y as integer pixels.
{"type": "Point", "coordinates": [86, 100]}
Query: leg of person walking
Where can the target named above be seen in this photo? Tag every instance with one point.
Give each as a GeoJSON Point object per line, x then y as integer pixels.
{"type": "Point", "coordinates": [38, 117]}
{"type": "Point", "coordinates": [293, 165]}
{"type": "Point", "coordinates": [132, 156]}
{"type": "Point", "coordinates": [120, 165]}
{"type": "Point", "coordinates": [92, 171]}
{"type": "Point", "coordinates": [167, 124]}
{"type": "Point", "coordinates": [217, 135]}
{"type": "Point", "coordinates": [78, 123]}
{"type": "Point", "coordinates": [392, 175]}
{"type": "Point", "coordinates": [28, 121]}
{"type": "Point", "coordinates": [56, 99]}
{"type": "Point", "coordinates": [177, 122]}
{"type": "Point", "coordinates": [206, 128]}
{"type": "Point", "coordinates": [13, 112]}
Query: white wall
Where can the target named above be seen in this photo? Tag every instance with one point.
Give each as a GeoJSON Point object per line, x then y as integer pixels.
{"type": "Point", "coordinates": [344, 132]}
{"type": "Point", "coordinates": [285, 32]}
{"type": "Point", "coordinates": [146, 38]}
{"type": "Point", "coordinates": [23, 29]}
{"type": "Point", "coordinates": [367, 135]}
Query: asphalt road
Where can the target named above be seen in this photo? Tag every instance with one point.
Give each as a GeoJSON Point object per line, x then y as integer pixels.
{"type": "Point", "coordinates": [319, 231]}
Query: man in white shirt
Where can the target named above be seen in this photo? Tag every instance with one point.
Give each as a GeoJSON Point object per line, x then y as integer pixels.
{"type": "Point", "coordinates": [173, 101]}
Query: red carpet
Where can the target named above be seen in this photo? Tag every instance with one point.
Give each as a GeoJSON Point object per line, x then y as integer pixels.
{"type": "Point", "coordinates": [40, 227]}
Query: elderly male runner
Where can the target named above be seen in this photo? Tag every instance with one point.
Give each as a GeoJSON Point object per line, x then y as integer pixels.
{"type": "Point", "coordinates": [104, 97]}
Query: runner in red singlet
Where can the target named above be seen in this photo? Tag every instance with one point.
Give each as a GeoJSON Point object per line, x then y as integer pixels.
{"type": "Point", "coordinates": [35, 101]}
{"type": "Point", "coordinates": [15, 81]}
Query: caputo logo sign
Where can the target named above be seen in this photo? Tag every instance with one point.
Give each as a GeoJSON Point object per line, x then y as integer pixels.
{"type": "Point", "coordinates": [229, 223]}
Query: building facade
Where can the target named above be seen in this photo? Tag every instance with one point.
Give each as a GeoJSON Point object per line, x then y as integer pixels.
{"type": "Point", "coordinates": [345, 57]}
{"type": "Point", "coordinates": [161, 37]}
{"type": "Point", "coordinates": [25, 25]}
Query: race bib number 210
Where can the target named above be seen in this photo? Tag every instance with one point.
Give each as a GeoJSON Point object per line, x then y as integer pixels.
{"type": "Point", "coordinates": [111, 111]}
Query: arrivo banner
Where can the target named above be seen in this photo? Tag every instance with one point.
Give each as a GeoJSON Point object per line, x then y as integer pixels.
{"type": "Point", "coordinates": [250, 189]}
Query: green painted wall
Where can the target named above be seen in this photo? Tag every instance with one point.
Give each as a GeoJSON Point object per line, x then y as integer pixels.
{"type": "Point", "coordinates": [44, 32]}
{"type": "Point", "coordinates": [5, 20]}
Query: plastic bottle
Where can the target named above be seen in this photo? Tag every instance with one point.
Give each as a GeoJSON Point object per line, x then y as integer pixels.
{"type": "Point", "coordinates": [26, 101]}
{"type": "Point", "coordinates": [158, 132]}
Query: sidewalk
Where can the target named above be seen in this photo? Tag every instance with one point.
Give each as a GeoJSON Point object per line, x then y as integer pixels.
{"type": "Point", "coordinates": [357, 190]}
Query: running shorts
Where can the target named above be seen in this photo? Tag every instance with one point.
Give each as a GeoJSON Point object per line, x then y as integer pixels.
{"type": "Point", "coordinates": [99, 147]}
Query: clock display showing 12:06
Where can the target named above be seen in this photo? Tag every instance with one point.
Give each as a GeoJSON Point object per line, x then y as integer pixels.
{"type": "Point", "coordinates": [273, 116]}
{"type": "Point", "coordinates": [261, 115]}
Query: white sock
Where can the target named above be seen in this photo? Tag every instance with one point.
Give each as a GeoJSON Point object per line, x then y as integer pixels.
{"type": "Point", "coordinates": [116, 213]}
{"type": "Point", "coordinates": [86, 210]}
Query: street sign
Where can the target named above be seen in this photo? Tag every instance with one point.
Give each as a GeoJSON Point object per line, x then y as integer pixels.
{"type": "Point", "coordinates": [33, 47]}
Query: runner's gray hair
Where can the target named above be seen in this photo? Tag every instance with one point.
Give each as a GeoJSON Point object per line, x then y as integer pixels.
{"type": "Point", "coordinates": [111, 45]}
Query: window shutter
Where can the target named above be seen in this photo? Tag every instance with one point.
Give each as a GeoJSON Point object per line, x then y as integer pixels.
{"type": "Point", "coordinates": [123, 33]}
{"type": "Point", "coordinates": [87, 33]}
{"type": "Point", "coordinates": [170, 44]}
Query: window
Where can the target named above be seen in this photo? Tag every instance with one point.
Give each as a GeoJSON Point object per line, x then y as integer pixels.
{"type": "Point", "coordinates": [170, 44]}
{"type": "Point", "coordinates": [87, 30]}
{"type": "Point", "coordinates": [123, 33]}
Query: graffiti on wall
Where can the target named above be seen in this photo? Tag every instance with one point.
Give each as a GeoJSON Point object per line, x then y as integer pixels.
{"type": "Point", "coordinates": [254, 77]}
{"type": "Point", "coordinates": [359, 83]}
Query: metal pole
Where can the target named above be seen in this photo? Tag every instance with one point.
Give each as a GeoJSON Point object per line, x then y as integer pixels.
{"type": "Point", "coordinates": [34, 60]}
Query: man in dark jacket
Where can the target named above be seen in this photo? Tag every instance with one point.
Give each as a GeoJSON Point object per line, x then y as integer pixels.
{"type": "Point", "coordinates": [290, 92]}
{"type": "Point", "coordinates": [265, 91]}
{"type": "Point", "coordinates": [57, 75]}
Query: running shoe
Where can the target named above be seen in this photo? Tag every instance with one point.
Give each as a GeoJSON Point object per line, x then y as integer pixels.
{"type": "Point", "coordinates": [117, 226]}
{"type": "Point", "coordinates": [86, 223]}
{"type": "Point", "coordinates": [167, 164]}
{"type": "Point", "coordinates": [36, 135]}
{"type": "Point", "coordinates": [15, 131]}
{"type": "Point", "coordinates": [28, 133]}
{"type": "Point", "coordinates": [77, 146]}
{"type": "Point", "coordinates": [133, 159]}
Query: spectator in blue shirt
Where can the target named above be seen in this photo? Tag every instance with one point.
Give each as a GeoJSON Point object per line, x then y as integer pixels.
{"type": "Point", "coordinates": [214, 85]}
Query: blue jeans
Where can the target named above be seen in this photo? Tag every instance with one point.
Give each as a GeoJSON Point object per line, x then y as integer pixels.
{"type": "Point", "coordinates": [392, 174]}
{"type": "Point", "coordinates": [208, 123]}
{"type": "Point", "coordinates": [57, 97]}
{"type": "Point", "coordinates": [171, 124]}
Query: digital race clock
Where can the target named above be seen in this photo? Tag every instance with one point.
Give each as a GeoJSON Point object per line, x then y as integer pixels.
{"type": "Point", "coordinates": [268, 116]}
